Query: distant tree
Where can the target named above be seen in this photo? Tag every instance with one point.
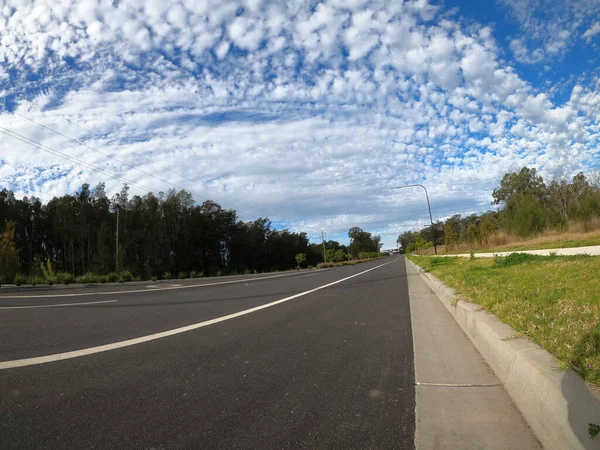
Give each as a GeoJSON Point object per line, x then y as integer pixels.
{"type": "Point", "coordinates": [363, 241]}
{"type": "Point", "coordinates": [9, 260]}
{"type": "Point", "coordinates": [451, 236]}
{"type": "Point", "coordinates": [405, 240]}
{"type": "Point", "coordinates": [300, 259]}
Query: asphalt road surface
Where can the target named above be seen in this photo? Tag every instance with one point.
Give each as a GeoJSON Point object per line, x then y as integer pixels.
{"type": "Point", "coordinates": [165, 368]}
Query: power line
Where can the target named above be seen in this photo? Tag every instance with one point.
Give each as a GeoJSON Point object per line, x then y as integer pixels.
{"type": "Point", "coordinates": [130, 165]}
{"type": "Point", "coordinates": [40, 146]}
{"type": "Point", "coordinates": [44, 147]}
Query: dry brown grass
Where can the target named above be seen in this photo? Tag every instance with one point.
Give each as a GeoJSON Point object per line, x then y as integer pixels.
{"type": "Point", "coordinates": [578, 234]}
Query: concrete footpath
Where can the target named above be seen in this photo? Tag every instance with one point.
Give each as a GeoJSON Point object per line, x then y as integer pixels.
{"type": "Point", "coordinates": [461, 404]}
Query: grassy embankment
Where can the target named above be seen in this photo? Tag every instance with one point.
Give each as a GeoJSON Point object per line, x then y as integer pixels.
{"type": "Point", "coordinates": [578, 234]}
{"type": "Point", "coordinates": [552, 300]}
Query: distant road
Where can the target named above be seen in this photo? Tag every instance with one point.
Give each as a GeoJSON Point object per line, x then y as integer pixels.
{"type": "Point", "coordinates": [594, 251]}
{"type": "Point", "coordinates": [211, 365]}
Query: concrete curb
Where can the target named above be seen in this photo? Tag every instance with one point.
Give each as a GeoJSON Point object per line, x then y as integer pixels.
{"type": "Point", "coordinates": [557, 405]}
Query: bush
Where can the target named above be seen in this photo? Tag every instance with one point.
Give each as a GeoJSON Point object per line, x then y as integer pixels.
{"type": "Point", "coordinates": [166, 276]}
{"type": "Point", "coordinates": [182, 275]}
{"type": "Point", "coordinates": [218, 274]}
{"type": "Point", "coordinates": [48, 271]}
{"type": "Point", "coordinates": [335, 255]}
{"type": "Point", "coordinates": [193, 274]}
{"type": "Point", "coordinates": [153, 278]}
{"type": "Point", "coordinates": [112, 277]}
{"type": "Point", "coordinates": [36, 279]}
{"type": "Point", "coordinates": [65, 278]}
{"type": "Point", "coordinates": [125, 276]}
{"type": "Point", "coordinates": [20, 279]}
{"type": "Point", "coordinates": [368, 255]}
{"type": "Point", "coordinates": [87, 278]}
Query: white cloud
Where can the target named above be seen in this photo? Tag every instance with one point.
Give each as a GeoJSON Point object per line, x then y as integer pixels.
{"type": "Point", "coordinates": [592, 31]}
{"type": "Point", "coordinates": [304, 114]}
{"type": "Point", "coordinates": [550, 28]}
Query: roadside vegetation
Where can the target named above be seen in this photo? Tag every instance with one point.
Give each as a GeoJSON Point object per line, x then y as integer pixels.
{"type": "Point", "coordinates": [552, 300]}
{"type": "Point", "coordinates": [160, 237]}
{"type": "Point", "coordinates": [533, 214]}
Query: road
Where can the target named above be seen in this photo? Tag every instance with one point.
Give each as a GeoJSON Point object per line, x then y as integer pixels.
{"type": "Point", "coordinates": [309, 362]}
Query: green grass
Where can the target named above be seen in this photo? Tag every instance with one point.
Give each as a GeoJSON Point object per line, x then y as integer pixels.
{"type": "Point", "coordinates": [552, 300]}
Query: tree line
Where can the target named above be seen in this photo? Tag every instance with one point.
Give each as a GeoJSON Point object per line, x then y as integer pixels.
{"type": "Point", "coordinates": [160, 236]}
{"type": "Point", "coordinates": [527, 205]}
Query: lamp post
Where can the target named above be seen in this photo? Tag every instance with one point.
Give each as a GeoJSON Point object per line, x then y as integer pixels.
{"type": "Point", "coordinates": [428, 206]}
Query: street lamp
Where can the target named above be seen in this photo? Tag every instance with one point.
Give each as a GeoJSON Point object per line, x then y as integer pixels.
{"type": "Point", "coordinates": [428, 205]}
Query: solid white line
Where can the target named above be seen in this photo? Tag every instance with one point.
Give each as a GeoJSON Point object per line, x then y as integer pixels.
{"type": "Point", "coordinates": [54, 306]}
{"type": "Point", "coordinates": [153, 289]}
{"type": "Point", "coordinates": [459, 384]}
{"type": "Point", "coordinates": [164, 334]}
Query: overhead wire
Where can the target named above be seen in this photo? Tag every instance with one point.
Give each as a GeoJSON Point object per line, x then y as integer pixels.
{"type": "Point", "coordinates": [130, 165]}
{"type": "Point", "coordinates": [44, 147]}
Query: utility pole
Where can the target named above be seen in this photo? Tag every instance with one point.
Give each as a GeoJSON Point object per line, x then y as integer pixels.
{"type": "Point", "coordinates": [323, 240]}
{"type": "Point", "coordinates": [117, 254]}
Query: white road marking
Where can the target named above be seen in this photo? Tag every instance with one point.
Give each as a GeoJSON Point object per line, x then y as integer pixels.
{"type": "Point", "coordinates": [54, 306]}
{"type": "Point", "coordinates": [164, 334]}
{"type": "Point", "coordinates": [153, 289]}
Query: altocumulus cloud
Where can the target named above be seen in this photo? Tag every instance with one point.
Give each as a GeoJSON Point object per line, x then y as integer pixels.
{"type": "Point", "coordinates": [305, 112]}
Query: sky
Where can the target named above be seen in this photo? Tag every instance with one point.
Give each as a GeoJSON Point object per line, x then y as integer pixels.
{"type": "Point", "coordinates": [305, 112]}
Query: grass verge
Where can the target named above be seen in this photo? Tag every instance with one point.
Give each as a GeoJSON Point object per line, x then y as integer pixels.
{"type": "Point", "coordinates": [552, 300]}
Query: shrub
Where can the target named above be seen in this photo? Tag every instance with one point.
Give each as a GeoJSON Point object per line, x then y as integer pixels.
{"type": "Point", "coordinates": [218, 274]}
{"type": "Point", "coordinates": [36, 279]}
{"type": "Point", "coordinates": [193, 274]}
{"type": "Point", "coordinates": [182, 275]}
{"type": "Point", "coordinates": [112, 277]}
{"type": "Point", "coordinates": [368, 255]}
{"type": "Point", "coordinates": [48, 271]}
{"type": "Point", "coordinates": [125, 276]}
{"type": "Point", "coordinates": [103, 279]}
{"type": "Point", "coordinates": [166, 276]}
{"type": "Point", "coordinates": [87, 278]}
{"type": "Point", "coordinates": [335, 255]}
{"type": "Point", "coordinates": [153, 278]}
{"type": "Point", "coordinates": [65, 278]}
{"type": "Point", "coordinates": [20, 279]}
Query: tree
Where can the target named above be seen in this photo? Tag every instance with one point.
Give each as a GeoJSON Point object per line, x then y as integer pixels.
{"type": "Point", "coordinates": [405, 240]}
{"type": "Point", "coordinates": [300, 259]}
{"type": "Point", "coordinates": [362, 241]}
{"type": "Point", "coordinates": [514, 184]}
{"type": "Point", "coordinates": [451, 236]}
{"type": "Point", "coordinates": [9, 260]}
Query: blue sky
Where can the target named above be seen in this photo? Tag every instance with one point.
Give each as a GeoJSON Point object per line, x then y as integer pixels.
{"type": "Point", "coordinates": [305, 112]}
